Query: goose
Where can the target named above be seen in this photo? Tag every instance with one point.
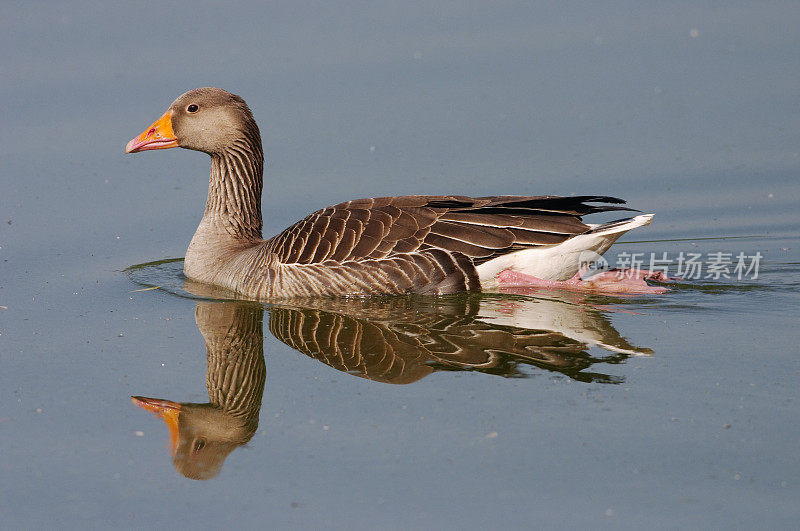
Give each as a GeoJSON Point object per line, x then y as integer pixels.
{"type": "Point", "coordinates": [424, 244]}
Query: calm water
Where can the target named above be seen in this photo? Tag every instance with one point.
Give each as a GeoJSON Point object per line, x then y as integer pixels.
{"type": "Point", "coordinates": [544, 408]}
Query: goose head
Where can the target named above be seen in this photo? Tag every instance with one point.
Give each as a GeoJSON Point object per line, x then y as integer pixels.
{"type": "Point", "coordinates": [206, 119]}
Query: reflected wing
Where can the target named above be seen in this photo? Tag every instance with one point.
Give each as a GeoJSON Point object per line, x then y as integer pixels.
{"type": "Point", "coordinates": [381, 342]}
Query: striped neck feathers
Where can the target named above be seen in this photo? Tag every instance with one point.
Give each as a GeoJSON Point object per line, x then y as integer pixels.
{"type": "Point", "coordinates": [234, 188]}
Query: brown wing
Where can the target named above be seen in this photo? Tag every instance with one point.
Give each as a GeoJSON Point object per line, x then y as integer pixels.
{"type": "Point", "coordinates": [478, 228]}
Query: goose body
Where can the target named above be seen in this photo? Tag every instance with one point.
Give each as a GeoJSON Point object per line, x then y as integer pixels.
{"type": "Point", "coordinates": [386, 245]}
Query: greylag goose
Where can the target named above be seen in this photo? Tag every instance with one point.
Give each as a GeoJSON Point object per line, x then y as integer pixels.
{"type": "Point", "coordinates": [387, 245]}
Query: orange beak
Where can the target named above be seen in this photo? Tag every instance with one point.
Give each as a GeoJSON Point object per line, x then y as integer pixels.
{"type": "Point", "coordinates": [168, 411]}
{"type": "Point", "coordinates": [157, 136]}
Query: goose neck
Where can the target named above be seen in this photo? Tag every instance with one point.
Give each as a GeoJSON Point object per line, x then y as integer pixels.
{"type": "Point", "coordinates": [234, 190]}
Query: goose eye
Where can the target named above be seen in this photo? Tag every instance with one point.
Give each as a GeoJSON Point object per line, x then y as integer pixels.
{"type": "Point", "coordinates": [193, 108]}
{"type": "Point", "coordinates": [199, 445]}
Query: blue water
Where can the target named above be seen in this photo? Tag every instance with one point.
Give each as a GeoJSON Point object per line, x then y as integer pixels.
{"type": "Point", "coordinates": [679, 410]}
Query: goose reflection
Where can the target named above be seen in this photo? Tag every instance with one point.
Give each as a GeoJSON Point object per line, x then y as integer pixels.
{"type": "Point", "coordinates": [202, 435]}
{"type": "Point", "coordinates": [392, 340]}
{"type": "Point", "coordinates": [401, 340]}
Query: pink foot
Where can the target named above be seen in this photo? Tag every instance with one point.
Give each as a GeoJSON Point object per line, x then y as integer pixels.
{"type": "Point", "coordinates": [630, 281]}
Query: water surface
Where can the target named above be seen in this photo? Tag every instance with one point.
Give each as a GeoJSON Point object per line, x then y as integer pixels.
{"type": "Point", "coordinates": [554, 409]}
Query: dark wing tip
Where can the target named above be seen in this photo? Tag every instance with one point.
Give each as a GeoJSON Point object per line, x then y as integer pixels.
{"type": "Point", "coordinates": [599, 199]}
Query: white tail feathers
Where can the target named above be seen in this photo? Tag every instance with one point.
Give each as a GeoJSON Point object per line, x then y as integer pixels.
{"type": "Point", "coordinates": [560, 261]}
{"type": "Point", "coordinates": [621, 226]}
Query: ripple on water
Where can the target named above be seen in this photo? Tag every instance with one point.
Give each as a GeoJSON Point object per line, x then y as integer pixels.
{"type": "Point", "coordinates": [167, 275]}
{"type": "Point", "coordinates": [688, 295]}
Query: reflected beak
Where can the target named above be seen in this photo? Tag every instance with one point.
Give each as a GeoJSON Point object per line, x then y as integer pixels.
{"type": "Point", "coordinates": [157, 136]}
{"type": "Point", "coordinates": [168, 411]}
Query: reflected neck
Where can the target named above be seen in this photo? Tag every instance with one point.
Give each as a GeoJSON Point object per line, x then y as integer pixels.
{"type": "Point", "coordinates": [234, 189]}
{"type": "Point", "coordinates": [236, 370]}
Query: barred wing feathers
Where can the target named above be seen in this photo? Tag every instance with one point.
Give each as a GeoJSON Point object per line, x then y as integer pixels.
{"type": "Point", "coordinates": [430, 243]}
